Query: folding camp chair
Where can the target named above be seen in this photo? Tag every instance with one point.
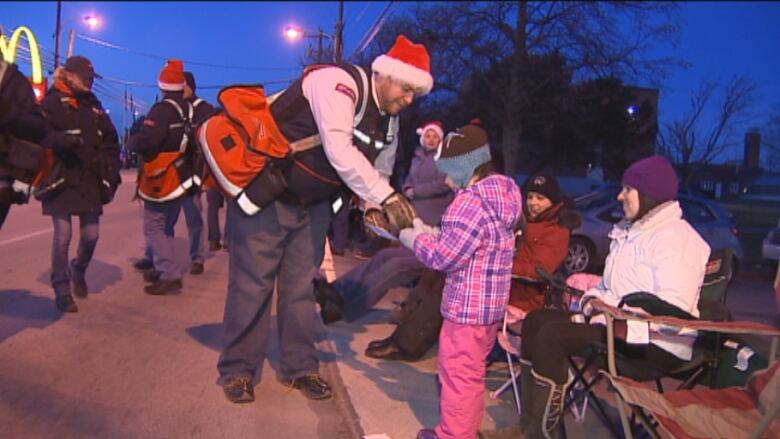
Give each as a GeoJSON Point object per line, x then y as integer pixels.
{"type": "Point", "coordinates": [706, 350]}
{"type": "Point", "coordinates": [731, 412]}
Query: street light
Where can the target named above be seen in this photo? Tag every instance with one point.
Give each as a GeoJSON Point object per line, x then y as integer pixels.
{"type": "Point", "coordinates": [92, 21]}
{"type": "Point", "coordinates": [295, 33]}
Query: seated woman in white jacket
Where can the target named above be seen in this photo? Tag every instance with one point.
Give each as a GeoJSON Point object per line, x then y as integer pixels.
{"type": "Point", "coordinates": [653, 250]}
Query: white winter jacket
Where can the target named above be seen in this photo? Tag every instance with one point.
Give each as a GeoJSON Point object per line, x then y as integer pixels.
{"type": "Point", "coordinates": [663, 255]}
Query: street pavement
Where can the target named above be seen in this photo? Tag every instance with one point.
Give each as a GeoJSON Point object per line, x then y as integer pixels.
{"type": "Point", "coordinates": [130, 365]}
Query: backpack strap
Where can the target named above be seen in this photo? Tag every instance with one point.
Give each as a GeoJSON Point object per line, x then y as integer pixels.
{"type": "Point", "coordinates": [186, 121]}
{"type": "Point", "coordinates": [361, 79]}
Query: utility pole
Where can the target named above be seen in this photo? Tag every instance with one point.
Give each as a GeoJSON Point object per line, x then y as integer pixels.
{"type": "Point", "coordinates": [71, 38]}
{"type": "Point", "coordinates": [338, 45]}
{"type": "Point", "coordinates": [57, 32]}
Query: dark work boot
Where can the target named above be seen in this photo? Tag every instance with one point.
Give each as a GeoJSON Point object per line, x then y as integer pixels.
{"type": "Point", "coordinates": [65, 303]}
{"type": "Point", "coordinates": [78, 283]}
{"type": "Point", "coordinates": [324, 291]}
{"type": "Point", "coordinates": [162, 287]}
{"type": "Point", "coordinates": [143, 264]}
{"type": "Point", "coordinates": [196, 268]}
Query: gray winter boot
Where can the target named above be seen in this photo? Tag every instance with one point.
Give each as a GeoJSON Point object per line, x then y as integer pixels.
{"type": "Point", "coordinates": [548, 399]}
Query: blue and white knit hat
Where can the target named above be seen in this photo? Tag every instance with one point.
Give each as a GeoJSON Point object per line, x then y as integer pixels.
{"type": "Point", "coordinates": [465, 149]}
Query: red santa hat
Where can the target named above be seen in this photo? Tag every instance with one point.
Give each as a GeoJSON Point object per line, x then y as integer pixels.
{"type": "Point", "coordinates": [172, 76]}
{"type": "Point", "coordinates": [407, 62]}
{"type": "Point", "coordinates": [434, 125]}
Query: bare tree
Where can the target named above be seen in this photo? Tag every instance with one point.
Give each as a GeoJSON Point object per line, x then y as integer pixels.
{"type": "Point", "coordinates": [693, 139]}
{"type": "Point", "coordinates": [494, 42]}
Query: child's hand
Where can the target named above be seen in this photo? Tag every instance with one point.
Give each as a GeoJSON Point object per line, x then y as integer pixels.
{"type": "Point", "coordinates": [409, 234]}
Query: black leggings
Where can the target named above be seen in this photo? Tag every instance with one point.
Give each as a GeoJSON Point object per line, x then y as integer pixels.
{"type": "Point", "coordinates": [549, 338]}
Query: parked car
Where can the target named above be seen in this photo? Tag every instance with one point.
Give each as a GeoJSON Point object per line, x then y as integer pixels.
{"type": "Point", "coordinates": [770, 248]}
{"type": "Point", "coordinates": [600, 210]}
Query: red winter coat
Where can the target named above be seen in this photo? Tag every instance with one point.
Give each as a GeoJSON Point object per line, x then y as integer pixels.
{"type": "Point", "coordinates": [545, 244]}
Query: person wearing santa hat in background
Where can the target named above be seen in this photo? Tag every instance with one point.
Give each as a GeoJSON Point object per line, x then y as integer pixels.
{"type": "Point", "coordinates": [349, 117]}
{"type": "Point", "coordinates": [159, 143]}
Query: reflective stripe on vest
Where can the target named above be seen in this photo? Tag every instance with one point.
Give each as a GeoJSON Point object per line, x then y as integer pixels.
{"type": "Point", "coordinates": [315, 140]}
{"type": "Point", "coordinates": [176, 193]}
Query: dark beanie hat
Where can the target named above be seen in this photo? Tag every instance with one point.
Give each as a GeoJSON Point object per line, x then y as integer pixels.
{"type": "Point", "coordinates": [463, 151]}
{"type": "Point", "coordinates": [654, 177]}
{"type": "Point", "coordinates": [545, 184]}
{"type": "Point", "coordinates": [189, 78]}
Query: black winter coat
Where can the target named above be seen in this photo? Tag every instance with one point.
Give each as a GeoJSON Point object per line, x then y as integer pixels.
{"type": "Point", "coordinates": [20, 114]}
{"type": "Point", "coordinates": [83, 166]}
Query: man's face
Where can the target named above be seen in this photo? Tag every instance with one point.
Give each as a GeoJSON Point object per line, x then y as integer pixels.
{"type": "Point", "coordinates": [393, 95]}
{"type": "Point", "coordinates": [80, 84]}
{"type": "Point", "coordinates": [187, 91]}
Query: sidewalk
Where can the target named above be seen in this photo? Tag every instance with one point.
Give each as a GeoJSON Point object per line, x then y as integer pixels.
{"type": "Point", "coordinates": [396, 399]}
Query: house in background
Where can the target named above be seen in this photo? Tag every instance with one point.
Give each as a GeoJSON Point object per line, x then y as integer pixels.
{"type": "Point", "coordinates": [745, 180]}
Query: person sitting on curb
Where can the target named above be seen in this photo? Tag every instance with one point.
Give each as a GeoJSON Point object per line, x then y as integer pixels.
{"type": "Point", "coordinates": [357, 291]}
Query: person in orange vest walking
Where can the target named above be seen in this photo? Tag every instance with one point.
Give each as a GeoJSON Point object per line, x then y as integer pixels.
{"type": "Point", "coordinates": [166, 176]}
{"type": "Point", "coordinates": [350, 118]}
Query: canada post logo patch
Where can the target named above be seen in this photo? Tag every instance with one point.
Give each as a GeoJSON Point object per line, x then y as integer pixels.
{"type": "Point", "coordinates": [347, 91]}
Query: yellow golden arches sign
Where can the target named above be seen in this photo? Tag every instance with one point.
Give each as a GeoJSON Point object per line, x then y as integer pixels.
{"type": "Point", "coordinates": [10, 47]}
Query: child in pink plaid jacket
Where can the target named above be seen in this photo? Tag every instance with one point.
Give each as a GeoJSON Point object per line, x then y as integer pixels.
{"type": "Point", "coordinates": [475, 248]}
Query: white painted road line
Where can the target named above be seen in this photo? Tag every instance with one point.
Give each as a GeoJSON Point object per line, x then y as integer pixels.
{"type": "Point", "coordinates": [23, 237]}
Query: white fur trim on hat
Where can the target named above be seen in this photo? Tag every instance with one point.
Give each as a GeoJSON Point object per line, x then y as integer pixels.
{"type": "Point", "coordinates": [395, 68]}
{"type": "Point", "coordinates": [167, 86]}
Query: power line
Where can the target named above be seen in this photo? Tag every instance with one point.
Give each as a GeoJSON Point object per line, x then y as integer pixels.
{"type": "Point", "coordinates": [371, 33]}
{"type": "Point", "coordinates": [197, 63]}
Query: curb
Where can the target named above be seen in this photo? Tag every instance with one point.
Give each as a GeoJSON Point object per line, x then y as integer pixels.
{"type": "Point", "coordinates": [341, 395]}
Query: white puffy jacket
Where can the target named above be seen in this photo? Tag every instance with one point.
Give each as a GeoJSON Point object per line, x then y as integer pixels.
{"type": "Point", "coordinates": [663, 255]}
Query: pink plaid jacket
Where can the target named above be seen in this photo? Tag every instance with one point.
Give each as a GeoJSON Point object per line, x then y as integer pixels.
{"type": "Point", "coordinates": [475, 249]}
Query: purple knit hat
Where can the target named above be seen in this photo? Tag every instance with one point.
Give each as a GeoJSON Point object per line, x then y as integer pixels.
{"type": "Point", "coordinates": [654, 177]}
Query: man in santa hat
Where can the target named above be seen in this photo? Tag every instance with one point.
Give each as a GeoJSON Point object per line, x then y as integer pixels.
{"type": "Point", "coordinates": [348, 117]}
{"type": "Point", "coordinates": [167, 176]}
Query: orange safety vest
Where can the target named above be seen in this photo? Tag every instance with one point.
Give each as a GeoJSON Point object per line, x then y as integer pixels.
{"type": "Point", "coordinates": [171, 174]}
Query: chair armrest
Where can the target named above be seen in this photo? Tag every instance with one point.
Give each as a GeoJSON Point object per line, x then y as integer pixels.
{"type": "Point", "coordinates": [525, 280]}
{"type": "Point", "coordinates": [728, 327]}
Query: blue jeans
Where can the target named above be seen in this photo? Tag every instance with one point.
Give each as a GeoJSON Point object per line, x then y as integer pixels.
{"type": "Point", "coordinates": [89, 224]}
{"type": "Point", "coordinates": [283, 245]}
{"type": "Point", "coordinates": [339, 228]}
{"type": "Point", "coordinates": [193, 206]}
{"type": "Point", "coordinates": [159, 222]}
{"type": "Point", "coordinates": [214, 200]}
{"type": "Point", "coordinates": [366, 284]}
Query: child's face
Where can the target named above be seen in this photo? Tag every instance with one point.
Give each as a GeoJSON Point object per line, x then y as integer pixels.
{"type": "Point", "coordinates": [431, 139]}
{"type": "Point", "coordinates": [537, 203]}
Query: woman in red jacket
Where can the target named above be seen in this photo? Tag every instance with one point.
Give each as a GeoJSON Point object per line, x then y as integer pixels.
{"type": "Point", "coordinates": [550, 219]}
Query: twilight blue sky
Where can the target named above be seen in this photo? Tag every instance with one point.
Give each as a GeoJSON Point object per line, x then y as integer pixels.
{"type": "Point", "coordinates": [719, 40]}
